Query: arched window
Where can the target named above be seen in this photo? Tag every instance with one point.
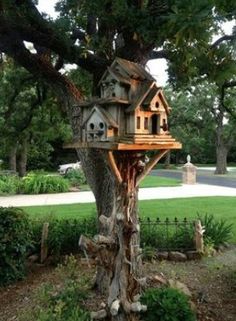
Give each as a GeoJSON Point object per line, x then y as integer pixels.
{"type": "Point", "coordinates": [154, 120]}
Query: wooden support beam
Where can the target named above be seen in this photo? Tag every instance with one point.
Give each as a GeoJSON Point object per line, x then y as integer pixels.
{"type": "Point", "coordinates": [114, 168]}
{"type": "Point", "coordinates": [153, 161]}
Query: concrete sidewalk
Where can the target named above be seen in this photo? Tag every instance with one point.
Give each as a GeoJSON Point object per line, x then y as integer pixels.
{"type": "Point", "coordinates": [144, 194]}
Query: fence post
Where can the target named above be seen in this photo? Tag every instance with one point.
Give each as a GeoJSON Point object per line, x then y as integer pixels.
{"type": "Point", "coordinates": [199, 231]}
{"type": "Point", "coordinates": [44, 245]}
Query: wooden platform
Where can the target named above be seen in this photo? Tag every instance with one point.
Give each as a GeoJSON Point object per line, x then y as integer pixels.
{"type": "Point", "coordinates": [127, 146]}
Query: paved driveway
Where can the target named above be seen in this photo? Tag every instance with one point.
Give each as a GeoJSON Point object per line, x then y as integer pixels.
{"type": "Point", "coordinates": [144, 194]}
{"type": "Point", "coordinates": [203, 177]}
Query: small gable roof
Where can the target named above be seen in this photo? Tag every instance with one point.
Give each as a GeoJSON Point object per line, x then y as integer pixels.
{"type": "Point", "coordinates": [103, 114]}
{"type": "Point", "coordinates": [156, 91]}
{"type": "Point", "coordinates": [131, 70]}
{"type": "Point", "coordinates": [134, 70]}
{"type": "Point", "coordinates": [144, 89]}
{"type": "Point", "coordinates": [146, 94]}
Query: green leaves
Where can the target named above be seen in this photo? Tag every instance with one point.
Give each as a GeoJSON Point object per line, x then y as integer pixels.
{"type": "Point", "coordinates": [166, 304]}
{"type": "Point", "coordinates": [218, 231]}
{"type": "Point", "coordinates": [15, 239]}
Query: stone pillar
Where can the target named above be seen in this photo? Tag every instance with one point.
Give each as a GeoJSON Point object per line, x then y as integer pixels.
{"type": "Point", "coordinates": [189, 172]}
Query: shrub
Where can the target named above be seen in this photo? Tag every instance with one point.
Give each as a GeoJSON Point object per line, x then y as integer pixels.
{"type": "Point", "coordinates": [63, 235]}
{"type": "Point", "coordinates": [9, 184]}
{"type": "Point", "coordinates": [38, 183]}
{"type": "Point", "coordinates": [76, 177]}
{"type": "Point", "coordinates": [218, 231]}
{"type": "Point", "coordinates": [166, 304]}
{"type": "Point", "coordinates": [14, 242]}
{"type": "Point", "coordinates": [176, 238]}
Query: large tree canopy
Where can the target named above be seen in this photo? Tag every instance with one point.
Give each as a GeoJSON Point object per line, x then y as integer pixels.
{"type": "Point", "coordinates": [91, 33]}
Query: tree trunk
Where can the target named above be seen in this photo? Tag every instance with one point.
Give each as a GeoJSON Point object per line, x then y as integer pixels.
{"type": "Point", "coordinates": [221, 144]}
{"type": "Point", "coordinates": [167, 161]}
{"type": "Point", "coordinates": [221, 159]}
{"type": "Point", "coordinates": [12, 158]}
{"type": "Point", "coordinates": [22, 162]}
{"type": "Point", "coordinates": [117, 246]}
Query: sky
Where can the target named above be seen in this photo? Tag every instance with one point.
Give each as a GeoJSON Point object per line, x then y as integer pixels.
{"type": "Point", "coordinates": [156, 67]}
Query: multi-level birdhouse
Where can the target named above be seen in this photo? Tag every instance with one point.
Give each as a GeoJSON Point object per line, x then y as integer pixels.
{"type": "Point", "coordinates": [131, 111]}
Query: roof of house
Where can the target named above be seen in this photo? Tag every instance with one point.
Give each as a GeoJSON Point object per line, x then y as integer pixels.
{"type": "Point", "coordinates": [108, 119]}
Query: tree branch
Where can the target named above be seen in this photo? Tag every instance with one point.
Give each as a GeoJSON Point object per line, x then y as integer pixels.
{"type": "Point", "coordinates": [159, 54]}
{"type": "Point", "coordinates": [26, 23]}
{"type": "Point", "coordinates": [222, 97]}
{"type": "Point", "coordinates": [222, 39]}
{"type": "Point", "coordinates": [229, 84]}
{"type": "Point", "coordinates": [37, 66]}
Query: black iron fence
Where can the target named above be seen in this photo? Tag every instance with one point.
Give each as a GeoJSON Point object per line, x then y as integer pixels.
{"type": "Point", "coordinates": [168, 235]}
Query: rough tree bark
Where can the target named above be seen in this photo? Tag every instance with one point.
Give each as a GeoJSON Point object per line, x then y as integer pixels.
{"type": "Point", "coordinates": [221, 159]}
{"type": "Point", "coordinates": [22, 161]}
{"type": "Point", "coordinates": [12, 158]}
{"type": "Point", "coordinates": [221, 144]}
{"type": "Point", "coordinates": [117, 245]}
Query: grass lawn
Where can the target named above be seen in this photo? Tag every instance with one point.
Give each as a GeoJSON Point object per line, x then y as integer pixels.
{"type": "Point", "coordinates": [149, 181]}
{"type": "Point", "coordinates": [156, 181]}
{"type": "Point", "coordinates": [220, 207]}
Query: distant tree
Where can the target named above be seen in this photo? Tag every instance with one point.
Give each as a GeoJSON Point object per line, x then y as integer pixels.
{"type": "Point", "coordinates": [198, 121]}
{"type": "Point", "coordinates": [29, 116]}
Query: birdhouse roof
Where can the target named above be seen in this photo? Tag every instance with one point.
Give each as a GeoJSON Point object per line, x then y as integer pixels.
{"type": "Point", "coordinates": [104, 115]}
{"type": "Point", "coordinates": [133, 69]}
{"type": "Point", "coordinates": [148, 90]}
{"type": "Point", "coordinates": [103, 101]}
{"type": "Point", "coordinates": [156, 91]}
{"type": "Point", "coordinates": [130, 70]}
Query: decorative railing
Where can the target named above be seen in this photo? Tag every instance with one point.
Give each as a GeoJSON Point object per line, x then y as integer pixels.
{"type": "Point", "coordinates": [169, 235]}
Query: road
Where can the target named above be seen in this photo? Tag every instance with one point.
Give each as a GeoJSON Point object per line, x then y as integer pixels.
{"type": "Point", "coordinates": [203, 177]}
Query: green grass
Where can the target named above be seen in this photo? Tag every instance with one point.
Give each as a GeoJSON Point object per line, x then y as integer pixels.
{"type": "Point", "coordinates": [149, 181]}
{"type": "Point", "coordinates": [156, 181]}
{"type": "Point", "coordinates": [220, 207]}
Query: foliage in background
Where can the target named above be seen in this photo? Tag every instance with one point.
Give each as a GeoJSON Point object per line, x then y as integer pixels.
{"type": "Point", "coordinates": [64, 302]}
{"type": "Point", "coordinates": [167, 236]}
{"type": "Point", "coordinates": [39, 183]}
{"type": "Point", "coordinates": [166, 304]}
{"type": "Point", "coordinates": [29, 117]}
{"type": "Point", "coordinates": [63, 235]}
{"type": "Point", "coordinates": [76, 177]}
{"type": "Point", "coordinates": [217, 232]}
{"type": "Point", "coordinates": [15, 240]}
{"type": "Point", "coordinates": [9, 184]}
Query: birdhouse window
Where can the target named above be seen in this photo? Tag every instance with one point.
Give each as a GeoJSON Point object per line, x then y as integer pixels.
{"type": "Point", "coordinates": [138, 122]}
{"type": "Point", "coordinates": [157, 104]}
{"type": "Point", "coordinates": [146, 123]}
{"type": "Point", "coordinates": [91, 125]}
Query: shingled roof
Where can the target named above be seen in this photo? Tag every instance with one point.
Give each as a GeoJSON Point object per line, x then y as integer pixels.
{"type": "Point", "coordinates": [131, 70]}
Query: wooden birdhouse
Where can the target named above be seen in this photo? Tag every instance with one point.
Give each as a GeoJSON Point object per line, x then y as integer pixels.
{"type": "Point", "coordinates": [130, 113]}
